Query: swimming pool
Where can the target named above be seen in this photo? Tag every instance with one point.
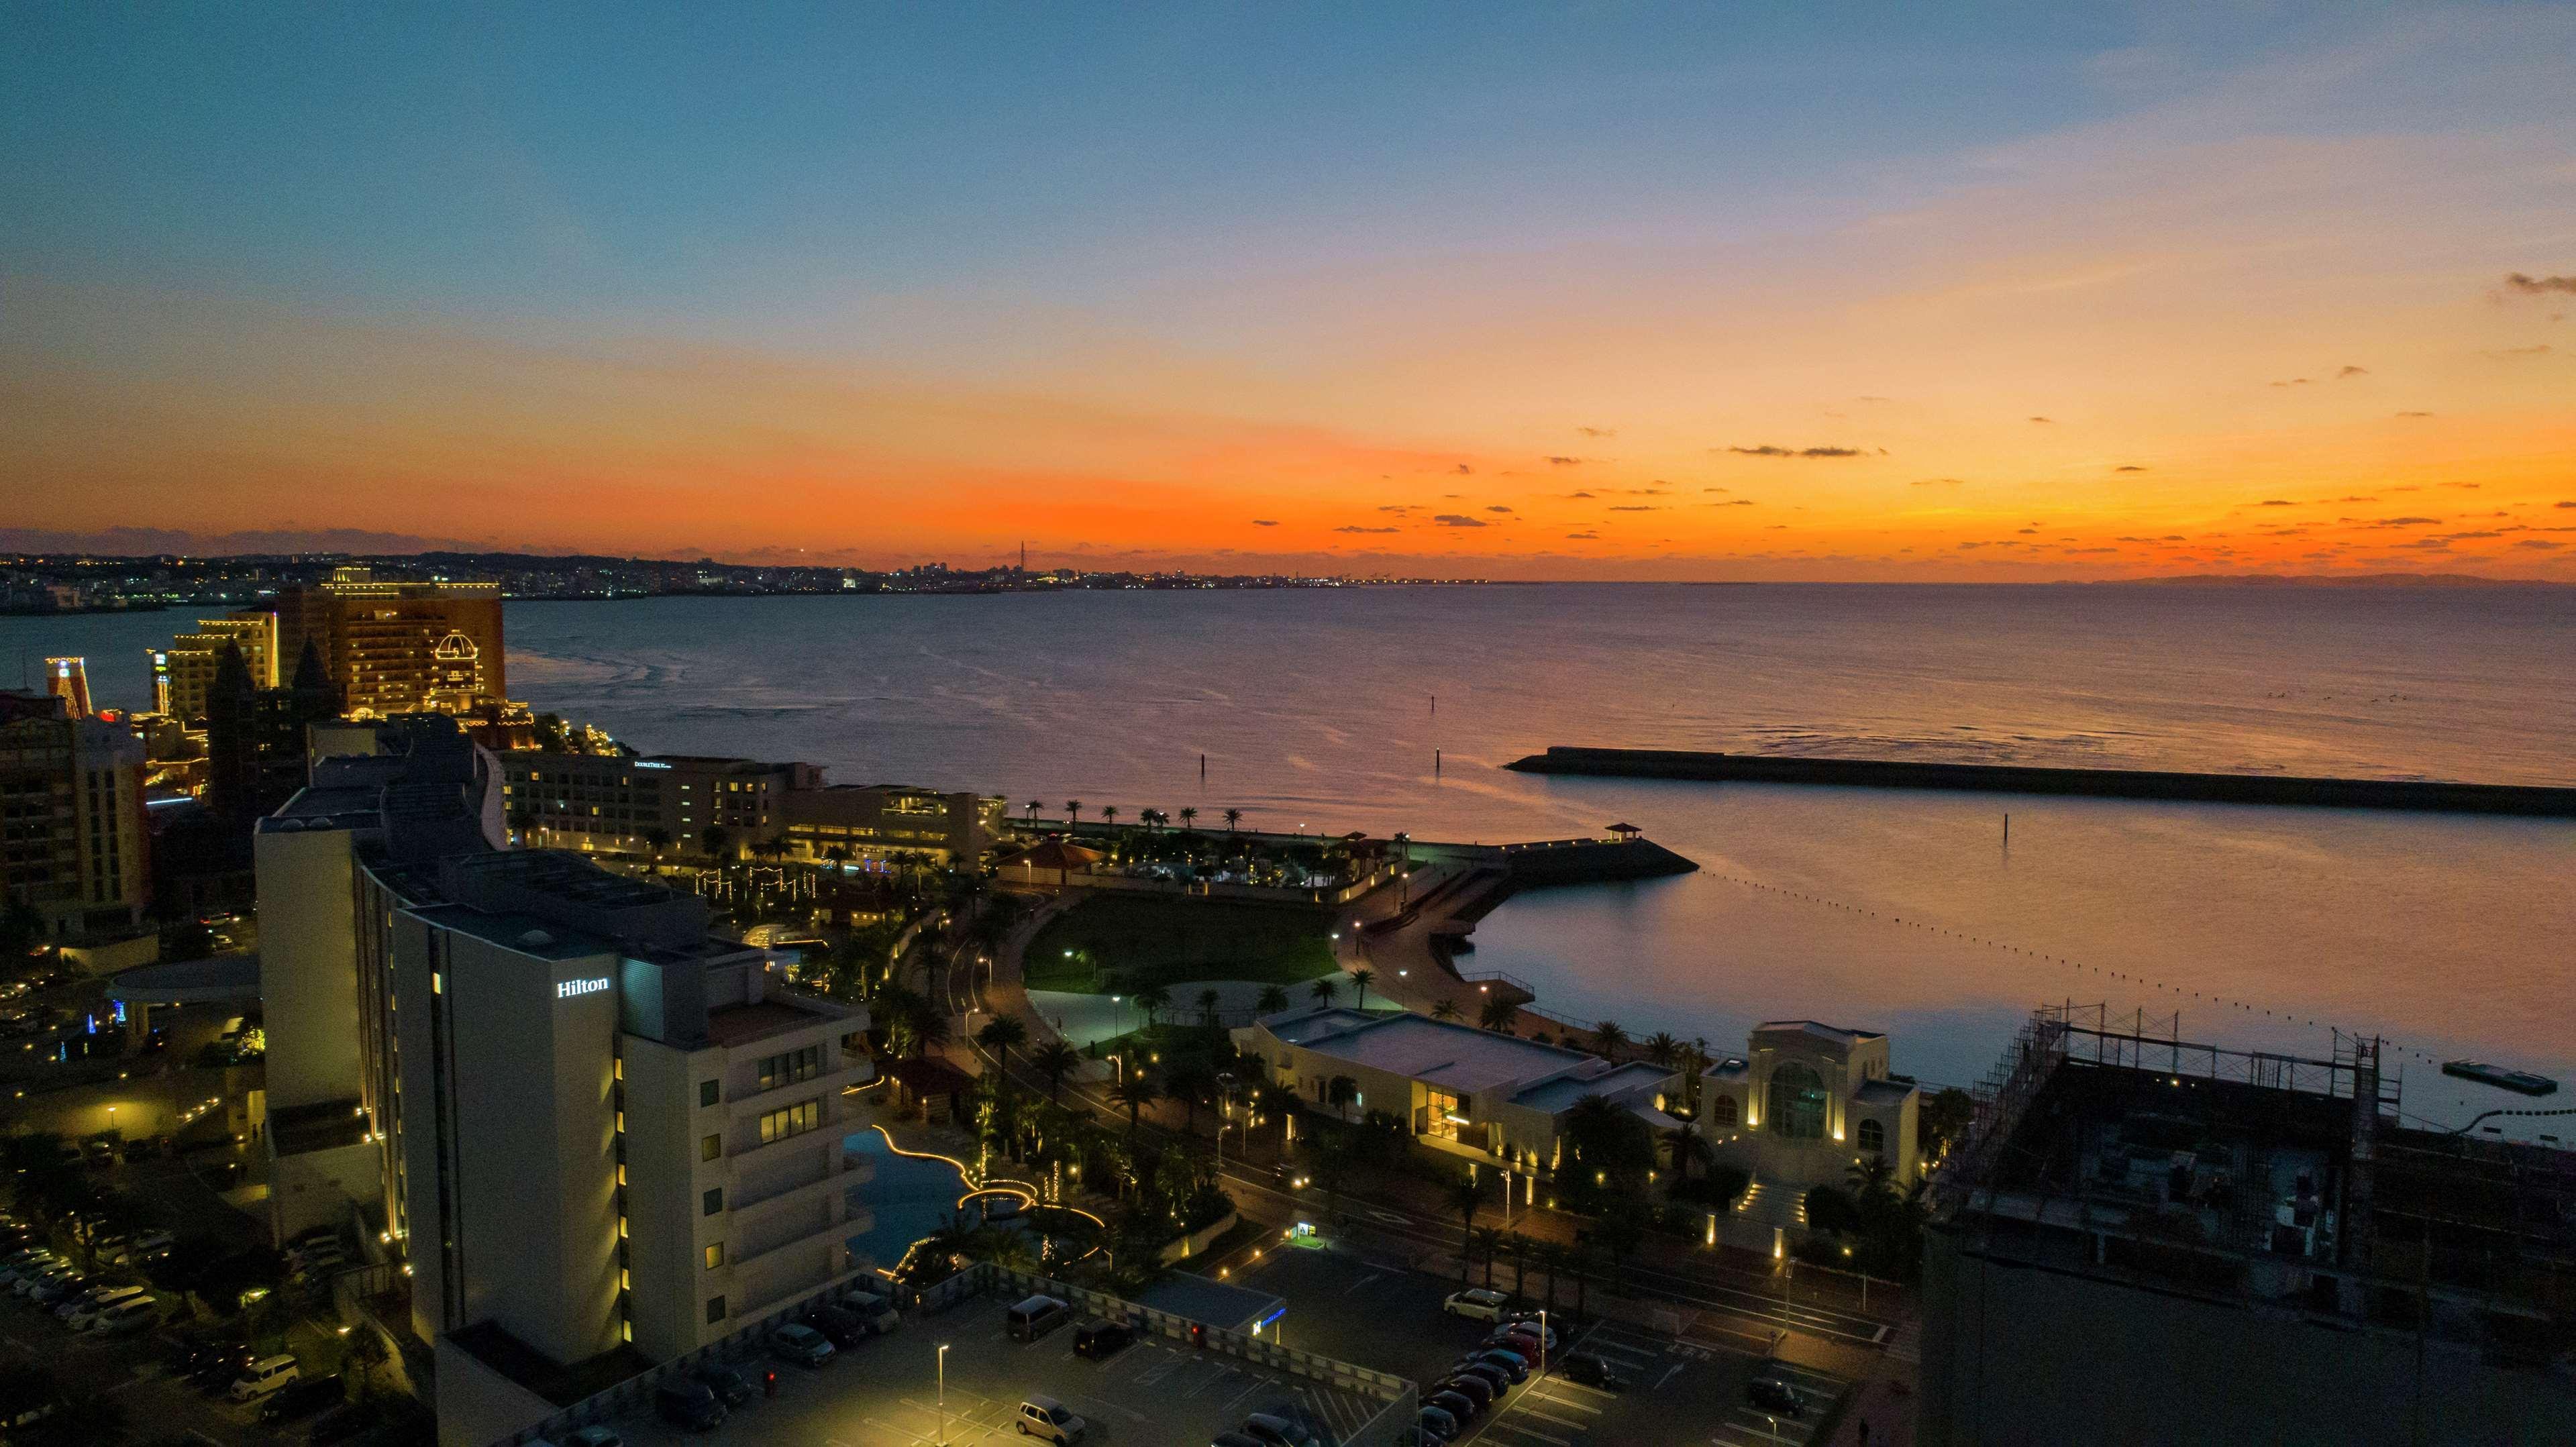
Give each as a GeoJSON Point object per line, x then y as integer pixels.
{"type": "Point", "coordinates": [911, 1197]}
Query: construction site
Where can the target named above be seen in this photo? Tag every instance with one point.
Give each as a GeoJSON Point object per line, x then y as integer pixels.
{"type": "Point", "coordinates": [2146, 1239]}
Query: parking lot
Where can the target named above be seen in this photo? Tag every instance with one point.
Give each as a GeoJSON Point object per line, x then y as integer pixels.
{"type": "Point", "coordinates": [1378, 1316]}
{"type": "Point", "coordinates": [886, 1391]}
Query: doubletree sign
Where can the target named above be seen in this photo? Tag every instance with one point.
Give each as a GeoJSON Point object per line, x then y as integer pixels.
{"type": "Point", "coordinates": [566, 989]}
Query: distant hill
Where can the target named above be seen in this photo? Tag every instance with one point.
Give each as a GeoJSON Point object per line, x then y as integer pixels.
{"type": "Point", "coordinates": [2339, 580]}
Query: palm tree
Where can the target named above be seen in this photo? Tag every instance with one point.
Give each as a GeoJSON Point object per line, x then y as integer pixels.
{"type": "Point", "coordinates": [715, 838]}
{"type": "Point", "coordinates": [1499, 1014]}
{"type": "Point", "coordinates": [1486, 1241]}
{"type": "Point", "coordinates": [1871, 1180]}
{"type": "Point", "coordinates": [1550, 1258]}
{"type": "Point", "coordinates": [1153, 1000]}
{"type": "Point", "coordinates": [1462, 1197]}
{"type": "Point", "coordinates": [1033, 813]}
{"type": "Point", "coordinates": [1189, 817]}
{"type": "Point", "coordinates": [1109, 816]}
{"type": "Point", "coordinates": [1135, 1092]}
{"type": "Point", "coordinates": [1191, 1084]}
{"type": "Point", "coordinates": [1607, 1037]}
{"type": "Point", "coordinates": [1522, 1249]}
{"type": "Point", "coordinates": [1326, 988]}
{"type": "Point", "coordinates": [1003, 1035]}
{"type": "Point", "coordinates": [1054, 1061]}
{"type": "Point", "coordinates": [1445, 1010]}
{"type": "Point", "coordinates": [1207, 1006]}
{"type": "Point", "coordinates": [1073, 817]}
{"type": "Point", "coordinates": [1663, 1049]}
{"type": "Point", "coordinates": [1274, 1099]}
{"type": "Point", "coordinates": [1274, 998]}
{"type": "Point", "coordinates": [836, 855]}
{"type": "Point", "coordinates": [657, 839]}
{"type": "Point", "coordinates": [1232, 818]}
{"type": "Point", "coordinates": [1579, 1257]}
{"type": "Point", "coordinates": [1339, 1092]}
{"type": "Point", "coordinates": [1683, 1145]}
{"type": "Point", "coordinates": [1362, 979]}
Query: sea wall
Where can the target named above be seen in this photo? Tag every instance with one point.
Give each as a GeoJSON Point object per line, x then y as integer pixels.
{"type": "Point", "coordinates": [2277, 789]}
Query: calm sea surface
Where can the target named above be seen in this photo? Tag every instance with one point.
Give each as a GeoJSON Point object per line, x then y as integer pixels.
{"type": "Point", "coordinates": [2453, 936]}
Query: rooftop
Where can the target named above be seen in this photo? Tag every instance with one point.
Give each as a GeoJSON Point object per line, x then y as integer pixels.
{"type": "Point", "coordinates": [1816, 1029]}
{"type": "Point", "coordinates": [732, 1025]}
{"type": "Point", "coordinates": [1552, 1096]}
{"type": "Point", "coordinates": [1438, 1052]}
{"type": "Point", "coordinates": [524, 933]}
{"type": "Point", "coordinates": [1233, 1308]}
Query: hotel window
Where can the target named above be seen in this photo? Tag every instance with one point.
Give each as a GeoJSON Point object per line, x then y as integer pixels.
{"type": "Point", "coordinates": [710, 1148]}
{"type": "Point", "coordinates": [1873, 1138]}
{"type": "Point", "coordinates": [712, 1201]}
{"type": "Point", "coordinates": [795, 1120]}
{"type": "Point", "coordinates": [794, 1066]}
{"type": "Point", "coordinates": [708, 1091]}
{"type": "Point", "coordinates": [715, 1254]}
{"type": "Point", "coordinates": [715, 1310]}
{"type": "Point", "coordinates": [1797, 1102]}
{"type": "Point", "coordinates": [1722, 1111]}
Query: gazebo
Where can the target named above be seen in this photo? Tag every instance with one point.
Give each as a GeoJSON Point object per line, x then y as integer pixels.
{"type": "Point", "coordinates": [1625, 833]}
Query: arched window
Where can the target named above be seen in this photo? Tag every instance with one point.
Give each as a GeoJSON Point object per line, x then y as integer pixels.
{"type": "Point", "coordinates": [1722, 1111]}
{"type": "Point", "coordinates": [1797, 1102]}
{"type": "Point", "coordinates": [1873, 1138]}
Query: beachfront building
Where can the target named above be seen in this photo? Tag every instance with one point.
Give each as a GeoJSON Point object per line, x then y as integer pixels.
{"type": "Point", "coordinates": [1488, 1097]}
{"type": "Point", "coordinates": [593, 1134]}
{"type": "Point", "coordinates": [1805, 1103]}
{"type": "Point", "coordinates": [666, 804]}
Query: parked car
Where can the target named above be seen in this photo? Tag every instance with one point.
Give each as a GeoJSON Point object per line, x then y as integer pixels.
{"type": "Point", "coordinates": [594, 1437]}
{"type": "Point", "coordinates": [1277, 1431]}
{"type": "Point", "coordinates": [1509, 1334]}
{"type": "Point", "coordinates": [1594, 1371]}
{"type": "Point", "coordinates": [1101, 1340]}
{"type": "Point", "coordinates": [1436, 1425]}
{"type": "Point", "coordinates": [128, 1317]}
{"type": "Point", "coordinates": [689, 1404]}
{"type": "Point", "coordinates": [1476, 1303]}
{"type": "Point", "coordinates": [875, 1310]}
{"type": "Point", "coordinates": [731, 1387]}
{"type": "Point", "coordinates": [263, 1377]}
{"type": "Point", "coordinates": [53, 1286]}
{"type": "Point", "coordinates": [216, 1372]}
{"type": "Point", "coordinates": [1456, 1404]}
{"type": "Point", "coordinates": [1234, 1439]}
{"type": "Point", "coordinates": [1492, 1376]}
{"type": "Point", "coordinates": [1771, 1394]}
{"type": "Point", "coordinates": [802, 1345]}
{"type": "Point", "coordinates": [843, 1329]}
{"type": "Point", "coordinates": [82, 1312]}
{"type": "Point", "coordinates": [1047, 1418]}
{"type": "Point", "coordinates": [290, 1404]}
{"type": "Point", "coordinates": [1511, 1364]}
{"type": "Point", "coordinates": [1481, 1390]}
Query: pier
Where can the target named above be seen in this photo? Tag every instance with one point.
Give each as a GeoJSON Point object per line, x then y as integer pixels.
{"type": "Point", "coordinates": [2429, 796]}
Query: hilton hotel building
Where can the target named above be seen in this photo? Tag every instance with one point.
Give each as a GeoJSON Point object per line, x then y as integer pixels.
{"type": "Point", "coordinates": [594, 1135]}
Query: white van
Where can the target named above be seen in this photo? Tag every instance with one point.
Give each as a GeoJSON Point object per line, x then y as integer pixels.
{"type": "Point", "coordinates": [263, 1377]}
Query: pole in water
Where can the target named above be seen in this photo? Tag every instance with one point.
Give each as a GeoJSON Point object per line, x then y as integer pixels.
{"type": "Point", "coordinates": [1435, 705]}
{"type": "Point", "coordinates": [2007, 830]}
{"type": "Point", "coordinates": [1202, 768]}
{"type": "Point", "coordinates": [1435, 763]}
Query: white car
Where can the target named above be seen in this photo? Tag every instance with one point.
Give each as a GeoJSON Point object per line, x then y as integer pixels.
{"type": "Point", "coordinates": [82, 1311]}
{"type": "Point", "coordinates": [1477, 1303]}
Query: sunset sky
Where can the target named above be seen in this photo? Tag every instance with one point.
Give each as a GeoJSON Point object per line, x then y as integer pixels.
{"type": "Point", "coordinates": [1565, 291]}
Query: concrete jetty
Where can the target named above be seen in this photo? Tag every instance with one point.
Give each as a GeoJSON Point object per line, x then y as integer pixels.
{"type": "Point", "coordinates": [2434, 796]}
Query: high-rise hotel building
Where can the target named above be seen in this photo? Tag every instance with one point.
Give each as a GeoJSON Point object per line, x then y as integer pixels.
{"type": "Point", "coordinates": [596, 1135]}
{"type": "Point", "coordinates": [387, 646]}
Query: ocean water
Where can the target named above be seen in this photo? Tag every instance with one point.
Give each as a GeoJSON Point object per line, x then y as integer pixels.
{"type": "Point", "coordinates": [1386, 709]}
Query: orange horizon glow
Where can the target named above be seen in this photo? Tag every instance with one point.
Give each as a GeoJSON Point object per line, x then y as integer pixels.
{"type": "Point", "coordinates": [2299, 308]}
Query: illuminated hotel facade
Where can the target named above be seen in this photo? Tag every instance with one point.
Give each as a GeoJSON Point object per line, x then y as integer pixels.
{"type": "Point", "coordinates": [601, 803]}
{"type": "Point", "coordinates": [594, 1135]}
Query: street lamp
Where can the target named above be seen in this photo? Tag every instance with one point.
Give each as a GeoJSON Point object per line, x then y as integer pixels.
{"type": "Point", "coordinates": [943, 1395]}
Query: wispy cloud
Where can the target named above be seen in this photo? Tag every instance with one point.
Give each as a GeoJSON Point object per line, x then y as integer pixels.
{"type": "Point", "coordinates": [1265, 522]}
{"type": "Point", "coordinates": [1458, 520]}
{"type": "Point", "coordinates": [1355, 528]}
{"type": "Point", "coordinates": [2128, 467]}
{"type": "Point", "coordinates": [1598, 431]}
{"type": "Point", "coordinates": [2351, 371]}
{"type": "Point", "coordinates": [1770, 450]}
{"type": "Point", "coordinates": [2515, 281]}
{"type": "Point", "coordinates": [1940, 482]}
{"type": "Point", "coordinates": [1565, 462]}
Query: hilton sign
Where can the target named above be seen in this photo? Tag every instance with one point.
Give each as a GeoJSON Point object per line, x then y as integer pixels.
{"type": "Point", "coordinates": [567, 989]}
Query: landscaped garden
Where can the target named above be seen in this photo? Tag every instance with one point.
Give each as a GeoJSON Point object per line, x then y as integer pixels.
{"type": "Point", "coordinates": [1123, 942]}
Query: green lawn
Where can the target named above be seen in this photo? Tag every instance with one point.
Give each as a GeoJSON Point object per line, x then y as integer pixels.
{"type": "Point", "coordinates": [1158, 939]}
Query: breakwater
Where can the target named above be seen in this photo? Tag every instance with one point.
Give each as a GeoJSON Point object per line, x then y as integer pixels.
{"type": "Point", "coordinates": [2277, 789]}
